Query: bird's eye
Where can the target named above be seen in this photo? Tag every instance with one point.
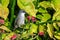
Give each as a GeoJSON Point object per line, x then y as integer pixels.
{"type": "Point", "coordinates": [23, 11]}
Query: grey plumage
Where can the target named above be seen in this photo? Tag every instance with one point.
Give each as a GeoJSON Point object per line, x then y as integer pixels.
{"type": "Point", "coordinates": [20, 19]}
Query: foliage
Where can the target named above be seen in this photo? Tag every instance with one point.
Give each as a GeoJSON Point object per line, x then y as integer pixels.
{"type": "Point", "coordinates": [40, 24]}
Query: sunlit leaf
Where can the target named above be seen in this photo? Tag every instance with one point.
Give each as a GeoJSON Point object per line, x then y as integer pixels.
{"type": "Point", "coordinates": [45, 4]}
{"type": "Point", "coordinates": [55, 26]}
{"type": "Point", "coordinates": [56, 4]}
{"type": "Point", "coordinates": [39, 16]}
{"type": "Point", "coordinates": [5, 28]}
{"type": "Point", "coordinates": [41, 28]}
{"type": "Point", "coordinates": [8, 37]}
{"type": "Point", "coordinates": [56, 15]}
{"type": "Point", "coordinates": [25, 34]}
{"type": "Point", "coordinates": [42, 10]}
{"type": "Point", "coordinates": [57, 34]}
{"type": "Point", "coordinates": [4, 3]}
{"type": "Point", "coordinates": [50, 30]}
{"type": "Point", "coordinates": [33, 28]}
{"type": "Point", "coordinates": [45, 17]}
{"type": "Point", "coordinates": [28, 6]}
{"type": "Point", "coordinates": [57, 37]}
{"type": "Point", "coordinates": [58, 23]}
{"type": "Point", "coordinates": [3, 12]}
{"type": "Point", "coordinates": [3, 35]}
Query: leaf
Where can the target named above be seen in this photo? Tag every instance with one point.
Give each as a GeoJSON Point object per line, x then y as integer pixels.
{"type": "Point", "coordinates": [33, 28]}
{"type": "Point", "coordinates": [55, 26]}
{"type": "Point", "coordinates": [57, 33]}
{"type": "Point", "coordinates": [27, 26]}
{"type": "Point", "coordinates": [4, 12]}
{"type": "Point", "coordinates": [45, 4]}
{"type": "Point", "coordinates": [39, 38]}
{"type": "Point", "coordinates": [39, 16]}
{"type": "Point", "coordinates": [5, 28]}
{"type": "Point", "coordinates": [28, 6]}
{"type": "Point", "coordinates": [9, 36]}
{"type": "Point", "coordinates": [0, 36]}
{"type": "Point", "coordinates": [45, 17]}
{"type": "Point", "coordinates": [56, 4]}
{"type": "Point", "coordinates": [41, 28]}
{"type": "Point", "coordinates": [56, 15]}
{"type": "Point", "coordinates": [57, 37]}
{"type": "Point", "coordinates": [42, 10]}
{"type": "Point", "coordinates": [4, 3]}
{"type": "Point", "coordinates": [58, 23]}
{"type": "Point", "coordinates": [3, 35]}
{"type": "Point", "coordinates": [50, 30]}
{"type": "Point", "coordinates": [25, 34]}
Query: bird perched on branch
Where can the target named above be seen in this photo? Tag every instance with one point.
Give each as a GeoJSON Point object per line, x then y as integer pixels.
{"type": "Point", "coordinates": [20, 19]}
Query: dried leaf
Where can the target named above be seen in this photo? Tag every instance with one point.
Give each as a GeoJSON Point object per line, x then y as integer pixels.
{"type": "Point", "coordinates": [9, 36]}
{"type": "Point", "coordinates": [5, 28]}
{"type": "Point", "coordinates": [4, 12]}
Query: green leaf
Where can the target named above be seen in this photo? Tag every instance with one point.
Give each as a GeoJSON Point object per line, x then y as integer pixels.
{"type": "Point", "coordinates": [0, 36]}
{"type": "Point", "coordinates": [9, 36]}
{"type": "Point", "coordinates": [41, 28]}
{"type": "Point", "coordinates": [57, 34]}
{"type": "Point", "coordinates": [33, 28]}
{"type": "Point", "coordinates": [50, 30]}
{"type": "Point", "coordinates": [56, 4]}
{"type": "Point", "coordinates": [28, 6]}
{"type": "Point", "coordinates": [42, 10]}
{"type": "Point", "coordinates": [25, 35]}
{"type": "Point", "coordinates": [4, 3]}
{"type": "Point", "coordinates": [56, 15]}
{"type": "Point", "coordinates": [58, 24]}
{"type": "Point", "coordinates": [55, 26]}
{"type": "Point", "coordinates": [57, 37]}
{"type": "Point", "coordinates": [39, 38]}
{"type": "Point", "coordinates": [45, 17]}
{"type": "Point", "coordinates": [39, 16]}
{"type": "Point", "coordinates": [45, 4]}
{"type": "Point", "coordinates": [27, 26]}
{"type": "Point", "coordinates": [3, 35]}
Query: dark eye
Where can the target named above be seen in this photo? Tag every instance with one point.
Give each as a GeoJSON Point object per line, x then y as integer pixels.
{"type": "Point", "coordinates": [22, 11]}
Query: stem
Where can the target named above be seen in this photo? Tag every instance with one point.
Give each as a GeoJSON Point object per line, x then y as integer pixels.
{"type": "Point", "coordinates": [49, 22]}
{"type": "Point", "coordinates": [12, 10]}
{"type": "Point", "coordinates": [0, 1]}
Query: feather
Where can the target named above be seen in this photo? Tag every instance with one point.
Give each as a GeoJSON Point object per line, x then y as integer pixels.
{"type": "Point", "coordinates": [20, 19]}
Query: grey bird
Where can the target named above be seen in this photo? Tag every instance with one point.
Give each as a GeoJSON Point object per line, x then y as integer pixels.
{"type": "Point", "coordinates": [20, 20]}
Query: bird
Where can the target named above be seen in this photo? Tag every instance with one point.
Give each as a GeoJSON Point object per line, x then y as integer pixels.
{"type": "Point", "coordinates": [20, 20]}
